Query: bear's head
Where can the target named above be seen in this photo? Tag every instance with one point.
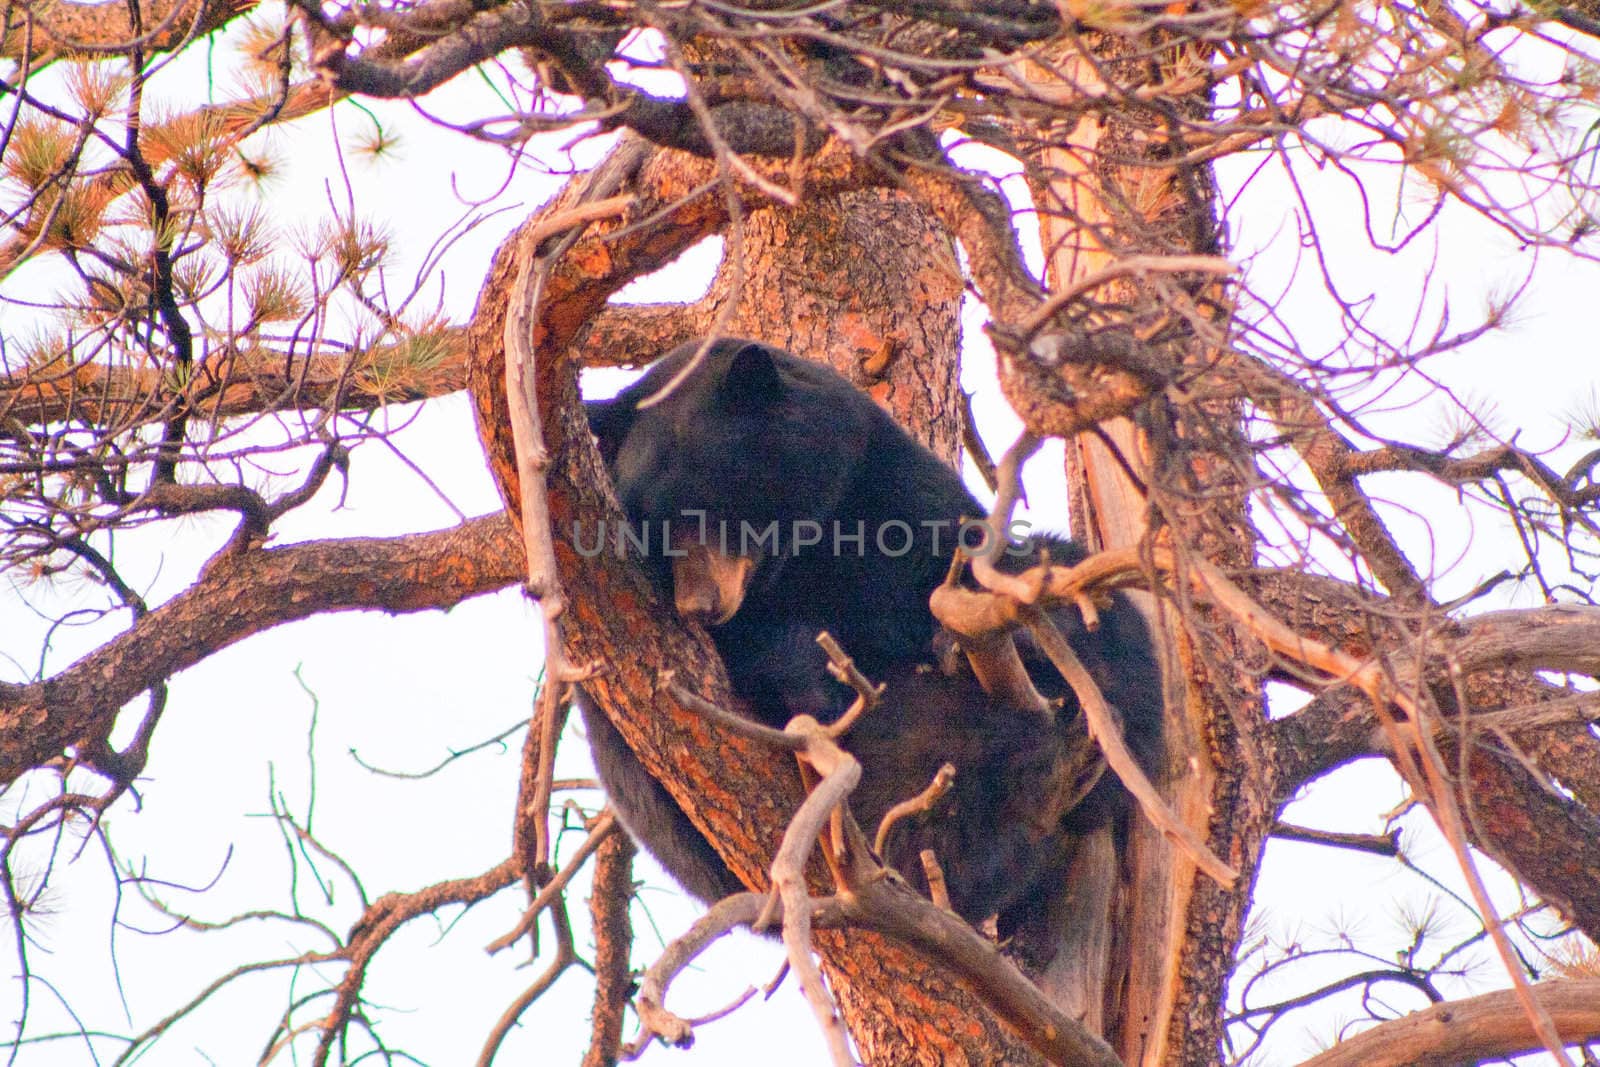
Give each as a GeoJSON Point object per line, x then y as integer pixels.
{"type": "Point", "coordinates": [719, 460]}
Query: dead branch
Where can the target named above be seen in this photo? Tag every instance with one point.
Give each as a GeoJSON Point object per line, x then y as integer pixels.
{"type": "Point", "coordinates": [244, 594]}
{"type": "Point", "coordinates": [604, 826]}
{"type": "Point", "coordinates": [842, 667]}
{"type": "Point", "coordinates": [610, 899]}
{"type": "Point", "coordinates": [1473, 1030]}
{"type": "Point", "coordinates": [1378, 844]}
{"type": "Point", "coordinates": [741, 909]}
{"type": "Point", "coordinates": [565, 956]}
{"type": "Point", "coordinates": [1135, 266]}
{"type": "Point", "coordinates": [938, 891]}
{"type": "Point", "coordinates": [871, 898]}
{"type": "Point", "coordinates": [833, 774]}
{"type": "Point", "coordinates": [991, 653]}
{"type": "Point", "coordinates": [942, 781]}
{"type": "Point", "coordinates": [1555, 637]}
{"type": "Point", "coordinates": [379, 922]}
{"type": "Point", "coordinates": [737, 725]}
{"type": "Point", "coordinates": [1328, 455]}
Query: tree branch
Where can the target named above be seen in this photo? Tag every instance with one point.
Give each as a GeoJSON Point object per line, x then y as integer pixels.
{"type": "Point", "coordinates": [90, 31]}
{"type": "Point", "coordinates": [609, 900]}
{"type": "Point", "coordinates": [1473, 1030]}
{"type": "Point", "coordinates": [244, 594]}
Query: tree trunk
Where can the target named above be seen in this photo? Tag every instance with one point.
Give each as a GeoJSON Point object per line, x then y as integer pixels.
{"type": "Point", "coordinates": [1104, 191]}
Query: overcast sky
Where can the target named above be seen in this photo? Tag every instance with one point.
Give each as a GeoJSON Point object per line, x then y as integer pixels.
{"type": "Point", "coordinates": [404, 692]}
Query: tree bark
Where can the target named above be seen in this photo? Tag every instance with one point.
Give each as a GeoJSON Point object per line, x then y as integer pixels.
{"type": "Point", "coordinates": [1105, 190]}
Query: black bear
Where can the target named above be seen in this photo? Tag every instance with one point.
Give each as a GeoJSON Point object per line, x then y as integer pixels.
{"type": "Point", "coordinates": [772, 500]}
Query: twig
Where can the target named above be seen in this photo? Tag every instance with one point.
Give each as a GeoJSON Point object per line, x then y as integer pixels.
{"type": "Point", "coordinates": [1009, 477]}
{"type": "Point", "coordinates": [844, 668]}
{"type": "Point", "coordinates": [741, 909]}
{"type": "Point", "coordinates": [942, 781]}
{"type": "Point", "coordinates": [566, 956]}
{"type": "Point", "coordinates": [737, 724]}
{"type": "Point", "coordinates": [1378, 844]}
{"type": "Point", "coordinates": [976, 450]}
{"type": "Point", "coordinates": [934, 873]}
{"type": "Point", "coordinates": [1140, 265]}
{"type": "Point", "coordinates": [604, 825]}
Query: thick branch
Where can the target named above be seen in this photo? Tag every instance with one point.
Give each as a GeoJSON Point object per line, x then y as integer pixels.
{"type": "Point", "coordinates": [746, 127]}
{"type": "Point", "coordinates": [481, 37]}
{"type": "Point", "coordinates": [1472, 1030]}
{"type": "Point", "coordinates": [89, 31]}
{"type": "Point", "coordinates": [1494, 651]}
{"type": "Point", "coordinates": [1330, 457]}
{"type": "Point", "coordinates": [609, 901]}
{"type": "Point", "coordinates": [1557, 637]}
{"type": "Point", "coordinates": [254, 382]}
{"type": "Point", "coordinates": [1548, 839]}
{"type": "Point", "coordinates": [244, 594]}
{"type": "Point", "coordinates": [225, 387]}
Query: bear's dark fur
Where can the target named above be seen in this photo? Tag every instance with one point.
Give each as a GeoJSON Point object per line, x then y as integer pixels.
{"type": "Point", "coordinates": [755, 436]}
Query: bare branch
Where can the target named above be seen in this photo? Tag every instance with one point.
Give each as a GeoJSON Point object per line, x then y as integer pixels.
{"type": "Point", "coordinates": [1377, 844]}
{"type": "Point", "coordinates": [609, 901]}
{"type": "Point", "coordinates": [1108, 735]}
{"type": "Point", "coordinates": [1556, 637]}
{"type": "Point", "coordinates": [603, 827]}
{"type": "Point", "coordinates": [1473, 1030]}
{"type": "Point", "coordinates": [244, 594]}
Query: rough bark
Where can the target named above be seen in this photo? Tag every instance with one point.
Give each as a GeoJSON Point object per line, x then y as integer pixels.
{"type": "Point", "coordinates": [61, 31]}
{"type": "Point", "coordinates": [817, 281]}
{"type": "Point", "coordinates": [1104, 192]}
{"type": "Point", "coordinates": [868, 284]}
{"type": "Point", "coordinates": [609, 902]}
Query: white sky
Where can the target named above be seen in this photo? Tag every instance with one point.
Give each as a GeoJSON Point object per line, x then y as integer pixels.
{"type": "Point", "coordinates": [404, 692]}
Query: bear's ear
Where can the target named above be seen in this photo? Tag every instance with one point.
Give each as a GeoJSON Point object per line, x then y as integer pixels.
{"type": "Point", "coordinates": [751, 384]}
